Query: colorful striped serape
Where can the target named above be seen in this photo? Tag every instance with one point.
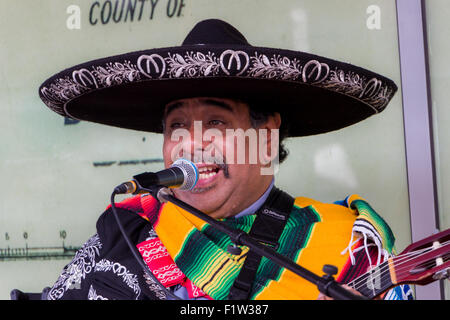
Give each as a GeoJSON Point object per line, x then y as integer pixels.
{"type": "Point", "coordinates": [193, 254]}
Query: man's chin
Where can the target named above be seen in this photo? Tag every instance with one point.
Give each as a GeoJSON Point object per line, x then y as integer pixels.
{"type": "Point", "coordinates": [201, 190]}
{"type": "Point", "coordinates": [203, 199]}
{"type": "Point", "coordinates": [196, 196]}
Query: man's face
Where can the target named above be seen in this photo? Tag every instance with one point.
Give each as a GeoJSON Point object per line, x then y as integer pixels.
{"type": "Point", "coordinates": [226, 186]}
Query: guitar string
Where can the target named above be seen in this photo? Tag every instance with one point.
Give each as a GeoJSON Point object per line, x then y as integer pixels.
{"type": "Point", "coordinates": [383, 268]}
{"type": "Point", "coordinates": [399, 259]}
{"type": "Point", "coordinates": [445, 257]}
{"type": "Point", "coordinates": [383, 277]}
{"type": "Point", "coordinates": [426, 265]}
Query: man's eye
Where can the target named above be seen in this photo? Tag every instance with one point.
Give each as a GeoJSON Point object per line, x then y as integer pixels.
{"type": "Point", "coordinates": [176, 125]}
{"type": "Point", "coordinates": [215, 122]}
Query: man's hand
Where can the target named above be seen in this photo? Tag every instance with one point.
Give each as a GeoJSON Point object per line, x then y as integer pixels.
{"type": "Point", "coordinates": [324, 297]}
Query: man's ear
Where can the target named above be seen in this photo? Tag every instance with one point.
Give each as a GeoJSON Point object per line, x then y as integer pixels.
{"type": "Point", "coordinates": [269, 154]}
{"type": "Point", "coordinates": [273, 122]}
{"type": "Point", "coordinates": [276, 120]}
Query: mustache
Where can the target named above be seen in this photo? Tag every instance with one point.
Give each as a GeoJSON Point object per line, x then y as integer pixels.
{"type": "Point", "coordinates": [224, 168]}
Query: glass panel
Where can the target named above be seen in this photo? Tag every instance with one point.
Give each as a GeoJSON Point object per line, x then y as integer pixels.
{"type": "Point", "coordinates": [60, 174]}
{"type": "Point", "coordinates": [438, 32]}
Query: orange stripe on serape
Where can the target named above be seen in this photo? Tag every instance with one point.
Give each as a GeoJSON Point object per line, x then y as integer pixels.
{"type": "Point", "coordinates": [174, 225]}
{"type": "Point", "coordinates": [327, 240]}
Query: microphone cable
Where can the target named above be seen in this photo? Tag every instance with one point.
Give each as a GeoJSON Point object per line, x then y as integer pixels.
{"type": "Point", "coordinates": [136, 253]}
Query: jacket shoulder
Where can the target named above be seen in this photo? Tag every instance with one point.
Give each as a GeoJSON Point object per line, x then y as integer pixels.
{"type": "Point", "coordinates": [326, 211]}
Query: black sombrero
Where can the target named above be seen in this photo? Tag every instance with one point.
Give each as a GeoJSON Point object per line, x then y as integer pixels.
{"type": "Point", "coordinates": [313, 94]}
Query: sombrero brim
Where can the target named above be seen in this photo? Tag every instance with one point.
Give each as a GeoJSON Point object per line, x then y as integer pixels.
{"type": "Point", "coordinates": [313, 94]}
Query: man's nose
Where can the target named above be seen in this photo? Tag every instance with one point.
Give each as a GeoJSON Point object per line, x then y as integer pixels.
{"type": "Point", "coordinates": [195, 145]}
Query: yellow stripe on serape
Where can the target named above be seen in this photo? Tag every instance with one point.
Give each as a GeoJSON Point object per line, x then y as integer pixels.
{"type": "Point", "coordinates": [302, 202]}
{"type": "Point", "coordinates": [324, 246]}
{"type": "Point", "coordinates": [173, 227]}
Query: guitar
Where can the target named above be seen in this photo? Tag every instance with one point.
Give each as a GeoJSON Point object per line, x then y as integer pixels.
{"type": "Point", "coordinates": [421, 263]}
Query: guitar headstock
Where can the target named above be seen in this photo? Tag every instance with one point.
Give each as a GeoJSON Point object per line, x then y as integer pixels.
{"type": "Point", "coordinates": [424, 261]}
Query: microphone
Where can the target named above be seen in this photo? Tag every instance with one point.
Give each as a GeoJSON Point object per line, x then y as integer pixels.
{"type": "Point", "coordinates": [182, 174]}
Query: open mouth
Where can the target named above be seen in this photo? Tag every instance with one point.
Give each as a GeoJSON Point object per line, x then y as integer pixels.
{"type": "Point", "coordinates": [207, 171]}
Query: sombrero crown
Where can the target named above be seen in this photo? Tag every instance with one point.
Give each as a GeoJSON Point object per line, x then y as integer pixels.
{"type": "Point", "coordinates": [313, 94]}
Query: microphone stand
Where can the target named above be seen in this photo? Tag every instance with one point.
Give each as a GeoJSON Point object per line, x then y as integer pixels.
{"type": "Point", "coordinates": [326, 284]}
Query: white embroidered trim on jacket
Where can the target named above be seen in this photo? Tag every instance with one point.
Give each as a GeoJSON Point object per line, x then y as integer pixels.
{"type": "Point", "coordinates": [82, 264]}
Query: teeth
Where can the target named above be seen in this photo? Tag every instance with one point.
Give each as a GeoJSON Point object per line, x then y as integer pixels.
{"type": "Point", "coordinates": [203, 169]}
{"type": "Point", "coordinates": [206, 175]}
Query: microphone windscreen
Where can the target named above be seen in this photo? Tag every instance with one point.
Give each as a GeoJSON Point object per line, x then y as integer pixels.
{"type": "Point", "coordinates": [190, 173]}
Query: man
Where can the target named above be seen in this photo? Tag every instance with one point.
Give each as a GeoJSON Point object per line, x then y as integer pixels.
{"type": "Point", "coordinates": [222, 190]}
{"type": "Point", "coordinates": [204, 97]}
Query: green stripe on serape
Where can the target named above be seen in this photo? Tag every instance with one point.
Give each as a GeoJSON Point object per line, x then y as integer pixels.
{"type": "Point", "coordinates": [366, 214]}
{"type": "Point", "coordinates": [188, 259]}
{"type": "Point", "coordinates": [220, 239]}
{"type": "Point", "coordinates": [202, 249]}
{"type": "Point", "coordinates": [197, 256]}
{"type": "Point", "coordinates": [293, 239]}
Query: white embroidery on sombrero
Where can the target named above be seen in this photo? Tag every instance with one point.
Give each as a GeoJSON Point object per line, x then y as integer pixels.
{"type": "Point", "coordinates": [352, 84]}
{"type": "Point", "coordinates": [198, 64]}
{"type": "Point", "coordinates": [234, 56]}
{"type": "Point", "coordinates": [277, 67]}
{"type": "Point", "coordinates": [84, 78]}
{"type": "Point", "coordinates": [159, 70]}
{"type": "Point", "coordinates": [193, 64]}
{"type": "Point", "coordinates": [116, 73]}
{"type": "Point", "coordinates": [59, 92]}
{"type": "Point", "coordinates": [318, 67]}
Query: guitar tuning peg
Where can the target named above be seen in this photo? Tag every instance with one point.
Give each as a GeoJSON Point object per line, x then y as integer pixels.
{"type": "Point", "coordinates": [442, 274]}
{"type": "Point", "coordinates": [439, 260]}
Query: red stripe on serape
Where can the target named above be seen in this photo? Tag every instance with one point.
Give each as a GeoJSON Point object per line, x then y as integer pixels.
{"type": "Point", "coordinates": [164, 268]}
{"type": "Point", "coordinates": [132, 204]}
{"type": "Point", "coordinates": [194, 291]}
{"type": "Point", "coordinates": [160, 263]}
{"type": "Point", "coordinates": [144, 205]}
{"type": "Point", "coordinates": [151, 208]}
{"type": "Point", "coordinates": [352, 271]}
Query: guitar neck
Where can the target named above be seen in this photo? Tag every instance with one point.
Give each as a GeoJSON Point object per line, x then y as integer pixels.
{"type": "Point", "coordinates": [428, 262]}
